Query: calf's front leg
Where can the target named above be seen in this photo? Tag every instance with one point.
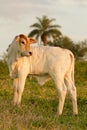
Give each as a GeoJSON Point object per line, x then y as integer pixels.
{"type": "Point", "coordinates": [15, 85]}
{"type": "Point", "coordinates": [21, 83]}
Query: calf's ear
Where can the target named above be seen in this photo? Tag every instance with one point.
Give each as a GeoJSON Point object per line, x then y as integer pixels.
{"type": "Point", "coordinates": [17, 38]}
{"type": "Point", "coordinates": [31, 40]}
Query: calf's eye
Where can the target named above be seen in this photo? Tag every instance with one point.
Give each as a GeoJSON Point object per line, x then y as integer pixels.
{"type": "Point", "coordinates": [22, 42]}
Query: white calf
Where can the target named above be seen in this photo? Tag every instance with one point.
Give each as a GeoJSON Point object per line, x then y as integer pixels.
{"type": "Point", "coordinates": [45, 63]}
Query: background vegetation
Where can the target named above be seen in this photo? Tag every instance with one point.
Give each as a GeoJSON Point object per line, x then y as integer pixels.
{"type": "Point", "coordinates": [48, 33]}
{"type": "Point", "coordinates": [39, 104]}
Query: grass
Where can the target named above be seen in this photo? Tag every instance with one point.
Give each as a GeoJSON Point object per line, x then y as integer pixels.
{"type": "Point", "coordinates": [39, 104]}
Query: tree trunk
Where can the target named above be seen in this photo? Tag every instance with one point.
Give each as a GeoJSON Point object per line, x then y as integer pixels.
{"type": "Point", "coordinates": [44, 39]}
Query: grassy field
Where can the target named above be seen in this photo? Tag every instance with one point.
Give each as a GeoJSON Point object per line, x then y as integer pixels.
{"type": "Point", "coordinates": [39, 104]}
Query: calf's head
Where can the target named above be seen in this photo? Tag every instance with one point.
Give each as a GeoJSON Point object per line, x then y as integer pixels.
{"type": "Point", "coordinates": [24, 44]}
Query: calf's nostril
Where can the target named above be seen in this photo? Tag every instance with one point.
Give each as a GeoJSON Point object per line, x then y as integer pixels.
{"type": "Point", "coordinates": [30, 53]}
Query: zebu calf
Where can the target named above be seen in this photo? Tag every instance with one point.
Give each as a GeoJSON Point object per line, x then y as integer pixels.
{"type": "Point", "coordinates": [45, 63]}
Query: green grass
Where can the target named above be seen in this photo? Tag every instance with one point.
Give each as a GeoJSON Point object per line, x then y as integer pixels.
{"type": "Point", "coordinates": [38, 110]}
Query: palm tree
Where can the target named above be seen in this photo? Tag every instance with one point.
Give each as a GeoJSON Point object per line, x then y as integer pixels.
{"type": "Point", "coordinates": [44, 29]}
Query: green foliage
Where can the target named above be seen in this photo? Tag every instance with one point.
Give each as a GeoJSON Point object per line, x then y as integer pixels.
{"type": "Point", "coordinates": [63, 41]}
{"type": "Point", "coordinates": [38, 110]}
{"type": "Point", "coordinates": [81, 48]}
{"type": "Point", "coordinates": [3, 70]}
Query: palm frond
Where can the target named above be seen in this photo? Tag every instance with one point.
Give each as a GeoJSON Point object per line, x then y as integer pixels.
{"type": "Point", "coordinates": [54, 31]}
{"type": "Point", "coordinates": [51, 20]}
{"type": "Point", "coordinates": [37, 36]}
{"type": "Point", "coordinates": [33, 33]}
{"type": "Point", "coordinates": [54, 26]}
{"type": "Point", "coordinates": [39, 20]}
{"type": "Point", "coordinates": [36, 25]}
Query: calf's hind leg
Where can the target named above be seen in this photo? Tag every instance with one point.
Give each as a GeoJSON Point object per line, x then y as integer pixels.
{"type": "Point", "coordinates": [62, 90]}
{"type": "Point", "coordinates": [73, 94]}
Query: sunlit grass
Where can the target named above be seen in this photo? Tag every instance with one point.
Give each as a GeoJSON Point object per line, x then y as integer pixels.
{"type": "Point", "coordinates": [38, 110]}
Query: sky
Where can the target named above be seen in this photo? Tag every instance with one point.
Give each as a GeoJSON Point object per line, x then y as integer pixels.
{"type": "Point", "coordinates": [16, 16]}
